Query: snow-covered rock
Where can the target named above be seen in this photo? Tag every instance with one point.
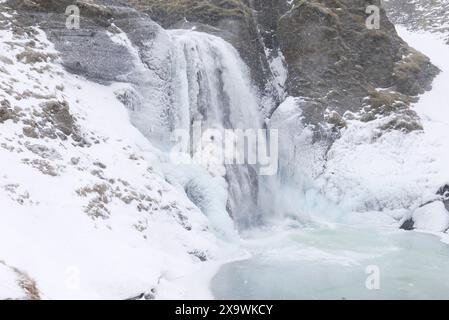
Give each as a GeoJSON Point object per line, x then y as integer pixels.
{"type": "Point", "coordinates": [370, 169]}
{"type": "Point", "coordinates": [432, 217]}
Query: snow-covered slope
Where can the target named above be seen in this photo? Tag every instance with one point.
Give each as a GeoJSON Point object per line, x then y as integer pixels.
{"type": "Point", "coordinates": [428, 15]}
{"type": "Point", "coordinates": [86, 211]}
{"type": "Point", "coordinates": [369, 169]}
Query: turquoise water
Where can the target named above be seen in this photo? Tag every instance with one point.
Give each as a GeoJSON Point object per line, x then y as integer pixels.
{"type": "Point", "coordinates": [338, 263]}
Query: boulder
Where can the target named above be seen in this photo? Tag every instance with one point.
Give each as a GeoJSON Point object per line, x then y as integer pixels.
{"type": "Point", "coordinates": [432, 217]}
{"type": "Point", "coordinates": [408, 225]}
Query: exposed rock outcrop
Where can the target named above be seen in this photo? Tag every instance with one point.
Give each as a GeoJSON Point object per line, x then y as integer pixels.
{"type": "Point", "coordinates": [336, 61]}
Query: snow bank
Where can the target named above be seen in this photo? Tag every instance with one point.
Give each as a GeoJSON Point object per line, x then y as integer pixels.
{"type": "Point", "coordinates": [9, 284]}
{"type": "Point", "coordinates": [85, 209]}
{"type": "Point", "coordinates": [371, 170]}
{"type": "Point", "coordinates": [432, 217]}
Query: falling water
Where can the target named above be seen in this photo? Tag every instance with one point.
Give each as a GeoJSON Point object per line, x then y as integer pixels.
{"type": "Point", "coordinates": [212, 85]}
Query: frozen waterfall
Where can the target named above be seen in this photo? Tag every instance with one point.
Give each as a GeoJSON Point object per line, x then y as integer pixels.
{"type": "Point", "coordinates": [211, 85]}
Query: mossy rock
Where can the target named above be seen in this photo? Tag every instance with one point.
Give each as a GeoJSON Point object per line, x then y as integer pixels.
{"type": "Point", "coordinates": [387, 101]}
{"type": "Point", "coordinates": [409, 71]}
{"type": "Point", "coordinates": [382, 104]}
{"type": "Point", "coordinates": [169, 12]}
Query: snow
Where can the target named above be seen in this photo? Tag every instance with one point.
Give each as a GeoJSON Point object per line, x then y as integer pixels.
{"type": "Point", "coordinates": [106, 223]}
{"type": "Point", "coordinates": [213, 87]}
{"type": "Point", "coordinates": [432, 217]}
{"type": "Point", "coordinates": [9, 286]}
{"type": "Point", "coordinates": [369, 171]}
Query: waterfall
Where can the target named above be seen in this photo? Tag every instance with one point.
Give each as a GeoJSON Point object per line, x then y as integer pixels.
{"type": "Point", "coordinates": [212, 84]}
{"type": "Point", "coordinates": [188, 77]}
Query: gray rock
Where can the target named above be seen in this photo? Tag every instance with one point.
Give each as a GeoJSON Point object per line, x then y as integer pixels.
{"type": "Point", "coordinates": [408, 225]}
{"type": "Point", "coordinates": [336, 61]}
{"type": "Point", "coordinates": [420, 14]}
{"type": "Point", "coordinates": [444, 193]}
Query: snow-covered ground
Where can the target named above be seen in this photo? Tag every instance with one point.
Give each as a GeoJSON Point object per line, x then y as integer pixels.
{"type": "Point", "coordinates": [86, 210]}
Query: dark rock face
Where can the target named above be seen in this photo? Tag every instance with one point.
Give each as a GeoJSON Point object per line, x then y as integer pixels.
{"type": "Point", "coordinates": [89, 51]}
{"type": "Point", "coordinates": [444, 193]}
{"type": "Point", "coordinates": [408, 225]}
{"type": "Point", "coordinates": [335, 60]}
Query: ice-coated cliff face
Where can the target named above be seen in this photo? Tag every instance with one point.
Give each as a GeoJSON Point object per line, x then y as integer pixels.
{"type": "Point", "coordinates": [212, 87]}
